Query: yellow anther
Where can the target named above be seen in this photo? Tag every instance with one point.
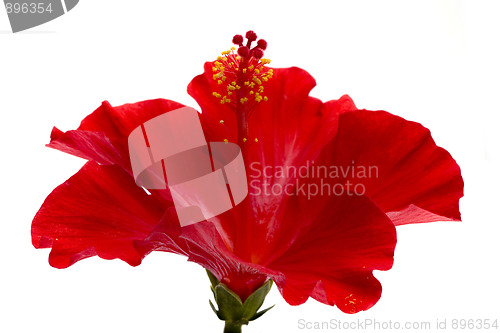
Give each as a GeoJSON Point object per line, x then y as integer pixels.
{"type": "Point", "coordinates": [231, 88]}
{"type": "Point", "coordinates": [251, 92]}
{"type": "Point", "coordinates": [252, 84]}
{"type": "Point", "coordinates": [219, 82]}
{"type": "Point", "coordinates": [238, 87]}
{"type": "Point", "coordinates": [227, 99]}
{"type": "Point", "coordinates": [266, 99]}
{"type": "Point", "coordinates": [214, 69]}
{"type": "Point", "coordinates": [244, 70]}
{"type": "Point", "coordinates": [233, 48]}
{"type": "Point", "coordinates": [257, 71]}
{"type": "Point", "coordinates": [244, 139]}
{"type": "Point", "coordinates": [261, 89]}
{"type": "Point", "coordinates": [258, 98]}
{"type": "Point", "coordinates": [257, 80]}
{"type": "Point", "coordinates": [256, 140]}
{"type": "Point", "coordinates": [226, 140]}
{"type": "Point", "coordinates": [219, 58]}
{"type": "Point", "coordinates": [222, 101]}
{"type": "Point", "coordinates": [222, 121]}
{"type": "Point", "coordinates": [247, 83]}
{"type": "Point", "coordinates": [265, 79]}
{"type": "Point", "coordinates": [223, 78]}
{"type": "Point", "coordinates": [233, 83]}
{"type": "Point", "coordinates": [250, 67]}
{"type": "Point", "coordinates": [224, 59]}
{"type": "Point", "coordinates": [229, 93]}
{"type": "Point", "coordinates": [243, 100]}
{"type": "Point", "coordinates": [238, 58]}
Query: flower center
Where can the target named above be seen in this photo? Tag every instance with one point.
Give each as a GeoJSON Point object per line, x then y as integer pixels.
{"type": "Point", "coordinates": [241, 77]}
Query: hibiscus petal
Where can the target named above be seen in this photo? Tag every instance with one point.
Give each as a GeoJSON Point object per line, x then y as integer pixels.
{"type": "Point", "coordinates": [413, 180]}
{"type": "Point", "coordinates": [98, 211]}
{"type": "Point", "coordinates": [333, 257]}
{"type": "Point", "coordinates": [92, 146]}
{"type": "Point", "coordinates": [103, 135]}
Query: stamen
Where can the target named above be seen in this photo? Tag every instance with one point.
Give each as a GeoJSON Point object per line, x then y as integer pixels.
{"type": "Point", "coordinates": [241, 74]}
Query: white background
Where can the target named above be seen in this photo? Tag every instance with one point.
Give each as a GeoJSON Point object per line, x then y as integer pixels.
{"type": "Point", "coordinates": [435, 62]}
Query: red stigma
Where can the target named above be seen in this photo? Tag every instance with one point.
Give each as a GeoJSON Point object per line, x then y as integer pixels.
{"type": "Point", "coordinates": [244, 51]}
{"type": "Point", "coordinates": [262, 44]}
{"type": "Point", "coordinates": [257, 53]}
{"type": "Point", "coordinates": [238, 40]}
{"type": "Point", "coordinates": [251, 36]}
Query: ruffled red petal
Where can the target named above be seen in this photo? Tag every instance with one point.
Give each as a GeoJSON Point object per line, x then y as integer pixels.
{"type": "Point", "coordinates": [413, 181]}
{"type": "Point", "coordinates": [98, 211]}
{"type": "Point", "coordinates": [332, 258]}
{"type": "Point", "coordinates": [103, 135]}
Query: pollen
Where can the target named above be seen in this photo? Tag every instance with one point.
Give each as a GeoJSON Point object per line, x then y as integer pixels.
{"type": "Point", "coordinates": [226, 140]}
{"type": "Point", "coordinates": [244, 139]}
{"type": "Point", "coordinates": [222, 121]}
{"type": "Point", "coordinates": [256, 140]}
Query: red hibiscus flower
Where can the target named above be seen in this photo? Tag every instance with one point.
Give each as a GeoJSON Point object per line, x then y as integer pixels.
{"type": "Point", "coordinates": [379, 169]}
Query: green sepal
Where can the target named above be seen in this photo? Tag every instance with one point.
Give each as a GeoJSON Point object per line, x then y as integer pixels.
{"type": "Point", "coordinates": [260, 313]}
{"type": "Point", "coordinates": [215, 310]}
{"type": "Point", "coordinates": [253, 303]}
{"type": "Point", "coordinates": [230, 307]}
{"type": "Point", "coordinates": [213, 280]}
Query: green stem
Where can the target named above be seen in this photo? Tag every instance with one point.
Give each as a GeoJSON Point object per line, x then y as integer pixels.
{"type": "Point", "coordinates": [231, 327]}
